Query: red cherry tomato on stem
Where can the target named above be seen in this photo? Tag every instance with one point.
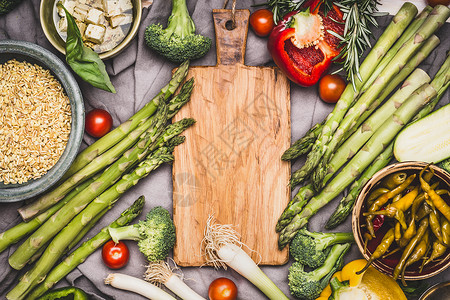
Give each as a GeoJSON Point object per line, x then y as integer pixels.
{"type": "Point", "coordinates": [98, 122]}
{"type": "Point", "coordinates": [331, 88]}
{"type": "Point", "coordinates": [115, 256]}
{"type": "Point", "coordinates": [261, 22]}
{"type": "Point", "coordinates": [222, 289]}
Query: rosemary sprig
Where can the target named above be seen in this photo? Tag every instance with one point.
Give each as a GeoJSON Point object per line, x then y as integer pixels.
{"type": "Point", "coordinates": [358, 16]}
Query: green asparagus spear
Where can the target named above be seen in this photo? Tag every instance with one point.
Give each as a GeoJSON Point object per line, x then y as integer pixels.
{"type": "Point", "coordinates": [420, 56]}
{"type": "Point", "coordinates": [374, 146]}
{"type": "Point", "coordinates": [51, 227]}
{"type": "Point", "coordinates": [14, 234]}
{"type": "Point", "coordinates": [105, 200]}
{"type": "Point", "coordinates": [346, 204]}
{"type": "Point", "coordinates": [433, 22]}
{"type": "Point", "coordinates": [79, 255]}
{"type": "Point", "coordinates": [304, 144]}
{"type": "Point", "coordinates": [410, 30]}
{"type": "Point", "coordinates": [125, 128]}
{"type": "Point", "coordinates": [107, 158]}
{"type": "Point", "coordinates": [394, 30]}
{"type": "Point", "coordinates": [295, 206]}
{"type": "Point", "coordinates": [351, 146]}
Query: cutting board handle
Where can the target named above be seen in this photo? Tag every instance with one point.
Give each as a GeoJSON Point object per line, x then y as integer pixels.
{"type": "Point", "coordinates": [230, 43]}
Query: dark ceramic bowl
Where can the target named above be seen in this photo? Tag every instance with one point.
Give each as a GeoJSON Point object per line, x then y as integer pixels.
{"type": "Point", "coordinates": [32, 53]}
{"type": "Point", "coordinates": [388, 264]}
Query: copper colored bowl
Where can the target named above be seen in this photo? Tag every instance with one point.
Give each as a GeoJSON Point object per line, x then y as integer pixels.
{"type": "Point", "coordinates": [388, 264]}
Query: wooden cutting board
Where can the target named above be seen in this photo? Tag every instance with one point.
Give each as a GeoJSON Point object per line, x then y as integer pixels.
{"type": "Point", "coordinates": [230, 166]}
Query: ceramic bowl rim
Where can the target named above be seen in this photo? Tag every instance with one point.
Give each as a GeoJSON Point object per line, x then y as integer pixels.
{"type": "Point", "coordinates": [49, 61]}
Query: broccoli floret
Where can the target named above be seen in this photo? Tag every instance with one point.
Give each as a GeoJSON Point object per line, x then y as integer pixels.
{"type": "Point", "coordinates": [308, 285]}
{"type": "Point", "coordinates": [178, 42]}
{"type": "Point", "coordinates": [155, 235]}
{"type": "Point", "coordinates": [310, 248]}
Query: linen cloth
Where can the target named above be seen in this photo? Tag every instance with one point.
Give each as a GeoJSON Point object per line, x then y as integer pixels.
{"type": "Point", "coordinates": [138, 74]}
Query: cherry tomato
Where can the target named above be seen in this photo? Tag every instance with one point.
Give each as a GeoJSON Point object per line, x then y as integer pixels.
{"type": "Point", "coordinates": [261, 22]}
{"type": "Point", "coordinates": [222, 289]}
{"type": "Point", "coordinates": [98, 122]}
{"type": "Point", "coordinates": [331, 88]}
{"type": "Point", "coordinates": [115, 256]}
{"type": "Point", "coordinates": [433, 3]}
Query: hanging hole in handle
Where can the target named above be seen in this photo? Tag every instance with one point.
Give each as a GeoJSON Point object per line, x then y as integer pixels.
{"type": "Point", "coordinates": [229, 25]}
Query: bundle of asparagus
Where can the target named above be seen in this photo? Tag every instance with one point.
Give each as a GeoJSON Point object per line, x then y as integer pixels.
{"type": "Point", "coordinates": [94, 183]}
{"type": "Point", "coordinates": [358, 134]}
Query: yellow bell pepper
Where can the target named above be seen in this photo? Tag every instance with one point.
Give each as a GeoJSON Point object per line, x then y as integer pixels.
{"type": "Point", "coordinates": [371, 284]}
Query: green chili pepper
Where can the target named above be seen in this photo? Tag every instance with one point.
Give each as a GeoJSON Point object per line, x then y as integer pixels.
{"type": "Point", "coordinates": [397, 232]}
{"type": "Point", "coordinates": [438, 250]}
{"type": "Point", "coordinates": [423, 227]}
{"type": "Point", "coordinates": [381, 249]}
{"type": "Point", "coordinates": [438, 202]}
{"type": "Point", "coordinates": [435, 226]}
{"type": "Point", "coordinates": [419, 252]}
{"type": "Point", "coordinates": [445, 229]}
{"type": "Point", "coordinates": [380, 201]}
{"type": "Point", "coordinates": [65, 293]}
{"type": "Point", "coordinates": [393, 180]}
{"type": "Point", "coordinates": [390, 212]}
{"type": "Point", "coordinates": [375, 194]}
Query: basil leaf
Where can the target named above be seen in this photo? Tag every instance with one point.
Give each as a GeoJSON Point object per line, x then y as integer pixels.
{"type": "Point", "coordinates": [83, 60]}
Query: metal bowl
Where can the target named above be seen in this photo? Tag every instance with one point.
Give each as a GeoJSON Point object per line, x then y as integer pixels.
{"type": "Point", "coordinates": [388, 264]}
{"type": "Point", "coordinates": [32, 53]}
{"type": "Point", "coordinates": [439, 291]}
{"type": "Point", "coordinates": [48, 26]}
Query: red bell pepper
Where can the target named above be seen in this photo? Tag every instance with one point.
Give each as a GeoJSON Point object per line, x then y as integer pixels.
{"type": "Point", "coordinates": [300, 44]}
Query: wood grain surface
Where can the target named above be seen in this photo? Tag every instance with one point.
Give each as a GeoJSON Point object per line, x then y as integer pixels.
{"type": "Point", "coordinates": [230, 164]}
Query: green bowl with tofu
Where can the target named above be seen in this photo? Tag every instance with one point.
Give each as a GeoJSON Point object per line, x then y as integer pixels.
{"type": "Point", "coordinates": [107, 26]}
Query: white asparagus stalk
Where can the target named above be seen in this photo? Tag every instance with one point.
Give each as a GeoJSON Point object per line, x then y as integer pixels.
{"type": "Point", "coordinates": [138, 286]}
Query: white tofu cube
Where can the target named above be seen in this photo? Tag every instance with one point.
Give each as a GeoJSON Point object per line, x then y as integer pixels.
{"type": "Point", "coordinates": [112, 37]}
{"type": "Point", "coordinates": [79, 16]}
{"type": "Point", "coordinates": [94, 16]}
{"type": "Point", "coordinates": [94, 33]}
{"type": "Point", "coordinates": [62, 25]}
{"type": "Point", "coordinates": [82, 8]}
{"type": "Point", "coordinates": [119, 20]}
{"type": "Point", "coordinates": [112, 7]}
{"type": "Point", "coordinates": [69, 5]}
{"type": "Point", "coordinates": [125, 5]}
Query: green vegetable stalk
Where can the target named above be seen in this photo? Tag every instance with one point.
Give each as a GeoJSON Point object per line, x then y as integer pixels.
{"type": "Point", "coordinates": [295, 206]}
{"type": "Point", "coordinates": [304, 144]}
{"type": "Point", "coordinates": [394, 30]}
{"type": "Point", "coordinates": [351, 146]}
{"type": "Point", "coordinates": [374, 146]}
{"type": "Point", "coordinates": [433, 22]}
{"type": "Point", "coordinates": [14, 234]}
{"type": "Point", "coordinates": [150, 125]}
{"type": "Point", "coordinates": [87, 248]}
{"type": "Point", "coordinates": [178, 42]}
{"type": "Point", "coordinates": [52, 226]}
{"type": "Point", "coordinates": [83, 60]}
{"type": "Point", "coordinates": [345, 206]}
{"type": "Point", "coordinates": [105, 200]}
{"type": "Point", "coordinates": [114, 136]}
